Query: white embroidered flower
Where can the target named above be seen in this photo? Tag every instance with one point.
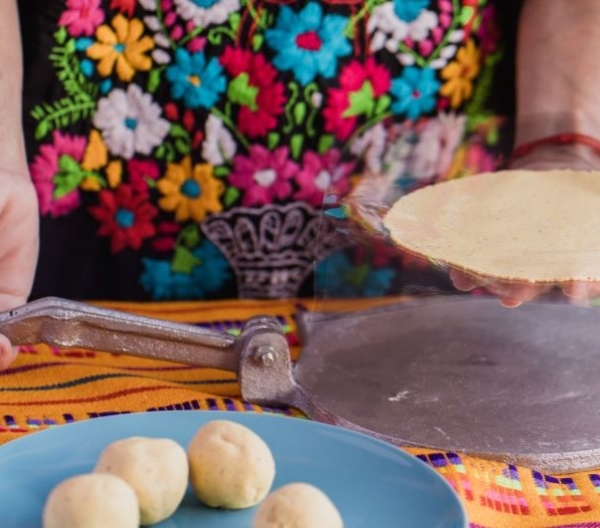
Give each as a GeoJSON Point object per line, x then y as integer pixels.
{"type": "Point", "coordinates": [206, 12]}
{"type": "Point", "coordinates": [150, 5]}
{"type": "Point", "coordinates": [431, 147]}
{"type": "Point", "coordinates": [130, 122]}
{"type": "Point", "coordinates": [219, 145]}
{"type": "Point", "coordinates": [389, 30]}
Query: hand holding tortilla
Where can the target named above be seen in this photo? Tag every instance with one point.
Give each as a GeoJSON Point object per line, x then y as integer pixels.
{"type": "Point", "coordinates": [518, 233]}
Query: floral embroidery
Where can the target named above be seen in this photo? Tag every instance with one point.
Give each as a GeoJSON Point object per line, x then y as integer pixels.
{"type": "Point", "coordinates": [459, 74]}
{"type": "Point", "coordinates": [54, 163]}
{"type": "Point", "coordinates": [209, 272]}
{"type": "Point", "coordinates": [362, 92]}
{"type": "Point", "coordinates": [123, 47]}
{"type": "Point", "coordinates": [206, 12]}
{"type": "Point", "coordinates": [255, 89]}
{"type": "Point", "coordinates": [308, 43]}
{"type": "Point", "coordinates": [82, 17]}
{"type": "Point", "coordinates": [125, 216]}
{"type": "Point", "coordinates": [192, 192]}
{"type": "Point", "coordinates": [197, 132]}
{"type": "Point", "coordinates": [130, 122]}
{"type": "Point", "coordinates": [195, 80]}
{"type": "Point", "coordinates": [415, 92]}
{"type": "Point", "coordinates": [264, 175]}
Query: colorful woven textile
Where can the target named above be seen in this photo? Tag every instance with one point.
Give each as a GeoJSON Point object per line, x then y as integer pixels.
{"type": "Point", "coordinates": [48, 387]}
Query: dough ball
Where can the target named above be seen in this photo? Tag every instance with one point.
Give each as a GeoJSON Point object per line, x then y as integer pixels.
{"type": "Point", "coordinates": [230, 465]}
{"type": "Point", "coordinates": [92, 501]}
{"type": "Point", "coordinates": [156, 468]}
{"type": "Point", "coordinates": [298, 505]}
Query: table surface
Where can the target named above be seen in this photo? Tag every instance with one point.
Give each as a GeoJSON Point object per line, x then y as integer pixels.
{"type": "Point", "coordinates": [47, 387]}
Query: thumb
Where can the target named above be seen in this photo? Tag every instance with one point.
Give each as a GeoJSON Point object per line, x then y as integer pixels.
{"type": "Point", "coordinates": [8, 353]}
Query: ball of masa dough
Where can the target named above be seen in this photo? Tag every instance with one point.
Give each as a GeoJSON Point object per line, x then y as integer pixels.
{"type": "Point", "coordinates": [230, 466]}
{"type": "Point", "coordinates": [92, 501]}
{"type": "Point", "coordinates": [157, 470]}
{"type": "Point", "coordinates": [298, 505]}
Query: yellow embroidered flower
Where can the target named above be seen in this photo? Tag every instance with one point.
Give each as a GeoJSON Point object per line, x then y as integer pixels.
{"type": "Point", "coordinates": [122, 45]}
{"type": "Point", "coordinates": [459, 75]}
{"type": "Point", "coordinates": [192, 193]}
{"type": "Point", "coordinates": [96, 153]}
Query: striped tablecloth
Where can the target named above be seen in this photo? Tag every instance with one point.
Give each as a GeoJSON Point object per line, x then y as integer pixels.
{"type": "Point", "coordinates": [48, 387]}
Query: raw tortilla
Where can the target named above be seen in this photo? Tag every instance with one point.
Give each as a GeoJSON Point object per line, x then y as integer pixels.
{"type": "Point", "coordinates": [530, 226]}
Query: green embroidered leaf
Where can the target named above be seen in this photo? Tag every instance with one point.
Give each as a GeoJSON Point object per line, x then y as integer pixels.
{"type": "Point", "coordinates": [493, 136]}
{"type": "Point", "coordinates": [350, 30]}
{"type": "Point", "coordinates": [325, 143]}
{"type": "Point", "coordinates": [221, 171]}
{"type": "Point", "coordinates": [160, 151]}
{"type": "Point", "coordinates": [184, 261]}
{"type": "Point", "coordinates": [62, 113]}
{"type": "Point", "coordinates": [383, 104]}
{"type": "Point", "coordinates": [68, 164]}
{"type": "Point", "coordinates": [70, 46]}
{"type": "Point", "coordinates": [170, 153]}
{"type": "Point", "coordinates": [296, 144]}
{"type": "Point", "coordinates": [150, 182]}
{"type": "Point", "coordinates": [231, 196]}
{"type": "Point", "coordinates": [362, 102]}
{"type": "Point", "coordinates": [299, 112]}
{"type": "Point", "coordinates": [182, 146]}
{"type": "Point", "coordinates": [68, 71]}
{"type": "Point", "coordinates": [240, 91]}
{"type": "Point", "coordinates": [69, 176]}
{"type": "Point", "coordinates": [190, 236]}
{"type": "Point", "coordinates": [178, 131]}
{"type": "Point", "coordinates": [42, 129]}
{"type": "Point", "coordinates": [234, 21]}
{"type": "Point", "coordinates": [61, 35]}
{"type": "Point", "coordinates": [272, 140]}
{"type": "Point", "coordinates": [465, 15]}
{"type": "Point", "coordinates": [257, 42]}
{"type": "Point", "coordinates": [153, 81]}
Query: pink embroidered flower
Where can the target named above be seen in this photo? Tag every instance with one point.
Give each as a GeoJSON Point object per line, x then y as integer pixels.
{"type": "Point", "coordinates": [264, 175]}
{"type": "Point", "coordinates": [321, 174]}
{"type": "Point", "coordinates": [140, 171]}
{"type": "Point", "coordinates": [361, 85]}
{"type": "Point", "coordinates": [45, 167]}
{"type": "Point", "coordinates": [255, 89]}
{"type": "Point", "coordinates": [82, 17]}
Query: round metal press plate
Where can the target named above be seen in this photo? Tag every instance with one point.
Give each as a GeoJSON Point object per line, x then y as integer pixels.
{"type": "Point", "coordinates": [464, 374]}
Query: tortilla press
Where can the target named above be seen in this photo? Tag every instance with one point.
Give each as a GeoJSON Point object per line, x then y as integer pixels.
{"type": "Point", "coordinates": [459, 374]}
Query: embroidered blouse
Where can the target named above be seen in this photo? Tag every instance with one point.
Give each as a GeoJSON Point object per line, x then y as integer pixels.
{"type": "Point", "coordinates": [185, 149]}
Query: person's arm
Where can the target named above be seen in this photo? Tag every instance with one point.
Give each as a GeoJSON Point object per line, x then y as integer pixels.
{"type": "Point", "coordinates": [558, 80]}
{"type": "Point", "coordinates": [558, 91]}
{"type": "Point", "coordinates": [18, 201]}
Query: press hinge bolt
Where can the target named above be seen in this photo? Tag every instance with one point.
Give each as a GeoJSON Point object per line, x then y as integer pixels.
{"type": "Point", "coordinates": [265, 355]}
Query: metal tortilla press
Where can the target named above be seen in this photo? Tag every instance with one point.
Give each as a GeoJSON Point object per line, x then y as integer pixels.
{"type": "Point", "coordinates": [459, 373]}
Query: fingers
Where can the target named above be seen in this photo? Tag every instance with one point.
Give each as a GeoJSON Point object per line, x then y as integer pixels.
{"type": "Point", "coordinates": [463, 281]}
{"type": "Point", "coordinates": [7, 353]}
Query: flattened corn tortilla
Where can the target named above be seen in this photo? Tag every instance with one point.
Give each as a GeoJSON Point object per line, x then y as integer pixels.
{"type": "Point", "coordinates": [530, 226]}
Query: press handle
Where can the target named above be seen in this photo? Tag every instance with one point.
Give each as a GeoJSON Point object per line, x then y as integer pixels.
{"type": "Point", "coordinates": [70, 324]}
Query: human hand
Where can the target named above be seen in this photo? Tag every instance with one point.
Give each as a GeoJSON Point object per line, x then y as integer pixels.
{"type": "Point", "coordinates": [19, 242]}
{"type": "Point", "coordinates": [513, 294]}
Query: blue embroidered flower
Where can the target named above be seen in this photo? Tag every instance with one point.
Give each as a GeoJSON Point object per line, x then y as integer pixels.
{"type": "Point", "coordinates": [415, 92]}
{"type": "Point", "coordinates": [409, 10]}
{"type": "Point", "coordinates": [195, 80]}
{"type": "Point", "coordinates": [209, 276]}
{"type": "Point", "coordinates": [337, 276]}
{"type": "Point", "coordinates": [308, 43]}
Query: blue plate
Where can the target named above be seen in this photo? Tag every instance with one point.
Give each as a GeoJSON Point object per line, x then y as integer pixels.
{"type": "Point", "coordinates": [373, 484]}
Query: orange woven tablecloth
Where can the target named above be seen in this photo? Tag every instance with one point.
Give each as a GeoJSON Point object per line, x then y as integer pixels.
{"type": "Point", "coordinates": [47, 387]}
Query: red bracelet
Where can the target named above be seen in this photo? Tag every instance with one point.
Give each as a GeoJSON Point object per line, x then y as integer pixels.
{"type": "Point", "coordinates": [559, 139]}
